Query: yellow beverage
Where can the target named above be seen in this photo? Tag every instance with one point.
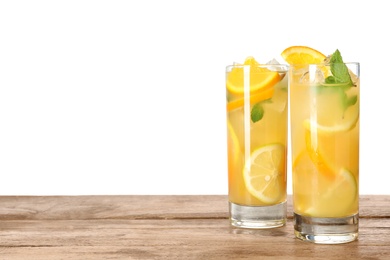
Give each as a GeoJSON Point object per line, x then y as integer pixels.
{"type": "Point", "coordinates": [324, 105]}
{"type": "Point", "coordinates": [325, 149]}
{"type": "Point", "coordinates": [257, 133]}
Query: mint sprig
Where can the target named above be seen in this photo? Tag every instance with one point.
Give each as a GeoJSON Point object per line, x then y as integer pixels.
{"type": "Point", "coordinates": [340, 74]}
{"type": "Point", "coordinates": [340, 79]}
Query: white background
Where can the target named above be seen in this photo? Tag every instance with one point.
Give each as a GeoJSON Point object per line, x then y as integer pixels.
{"type": "Point", "coordinates": [128, 97]}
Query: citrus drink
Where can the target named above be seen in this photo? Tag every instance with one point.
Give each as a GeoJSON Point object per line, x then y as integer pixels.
{"type": "Point", "coordinates": [257, 133]}
{"type": "Point", "coordinates": [324, 105]}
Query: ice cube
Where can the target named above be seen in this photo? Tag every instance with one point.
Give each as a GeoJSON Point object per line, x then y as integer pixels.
{"type": "Point", "coordinates": [273, 62]}
{"type": "Point", "coordinates": [277, 67]}
{"type": "Point", "coordinates": [313, 74]}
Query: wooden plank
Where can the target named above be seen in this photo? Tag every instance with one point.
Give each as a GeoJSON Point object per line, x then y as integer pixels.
{"type": "Point", "coordinates": [166, 227]}
{"type": "Point", "coordinates": [113, 207]}
{"type": "Point", "coordinates": [144, 207]}
{"type": "Point", "coordinates": [374, 206]}
{"type": "Point", "coordinates": [177, 239]}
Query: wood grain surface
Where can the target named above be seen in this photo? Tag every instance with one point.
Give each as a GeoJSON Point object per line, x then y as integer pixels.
{"type": "Point", "coordinates": [167, 227]}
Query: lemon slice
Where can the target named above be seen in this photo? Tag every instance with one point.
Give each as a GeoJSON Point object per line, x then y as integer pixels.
{"type": "Point", "coordinates": [264, 173]}
{"type": "Point", "coordinates": [259, 78]}
{"type": "Point", "coordinates": [340, 198]}
{"type": "Point", "coordinates": [343, 125]}
{"type": "Point", "coordinates": [345, 186]}
{"type": "Point", "coordinates": [322, 192]}
{"type": "Point", "coordinates": [330, 115]}
{"type": "Point", "coordinates": [302, 55]}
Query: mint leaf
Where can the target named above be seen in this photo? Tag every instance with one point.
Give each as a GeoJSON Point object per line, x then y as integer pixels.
{"type": "Point", "coordinates": [257, 112]}
{"type": "Point", "coordinates": [349, 101]}
{"type": "Point", "coordinates": [340, 80]}
{"type": "Point", "coordinates": [331, 80]}
{"type": "Point", "coordinates": [339, 71]}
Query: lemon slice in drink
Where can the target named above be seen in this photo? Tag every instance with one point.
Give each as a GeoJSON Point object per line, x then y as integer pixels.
{"type": "Point", "coordinates": [322, 192]}
{"type": "Point", "coordinates": [264, 173]}
{"type": "Point", "coordinates": [259, 78]}
{"type": "Point", "coordinates": [340, 198]}
{"type": "Point", "coordinates": [331, 117]}
{"type": "Point", "coordinates": [342, 125]}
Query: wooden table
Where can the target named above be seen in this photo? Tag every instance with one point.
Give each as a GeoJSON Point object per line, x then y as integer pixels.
{"type": "Point", "coordinates": [166, 227]}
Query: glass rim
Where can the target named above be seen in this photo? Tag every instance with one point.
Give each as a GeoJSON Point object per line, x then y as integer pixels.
{"type": "Point", "coordinates": [280, 66]}
{"type": "Point", "coordinates": [323, 64]}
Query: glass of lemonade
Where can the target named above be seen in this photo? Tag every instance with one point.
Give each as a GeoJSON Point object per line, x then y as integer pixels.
{"type": "Point", "coordinates": [324, 104]}
{"type": "Point", "coordinates": [257, 112]}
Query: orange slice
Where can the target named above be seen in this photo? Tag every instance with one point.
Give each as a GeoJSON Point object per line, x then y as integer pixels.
{"type": "Point", "coordinates": [233, 146]}
{"type": "Point", "coordinates": [259, 78]}
{"type": "Point", "coordinates": [266, 94]}
{"type": "Point", "coordinates": [302, 55]}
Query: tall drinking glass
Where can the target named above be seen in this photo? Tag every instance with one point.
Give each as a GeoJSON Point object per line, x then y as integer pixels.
{"type": "Point", "coordinates": [325, 151]}
{"type": "Point", "coordinates": [257, 110]}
